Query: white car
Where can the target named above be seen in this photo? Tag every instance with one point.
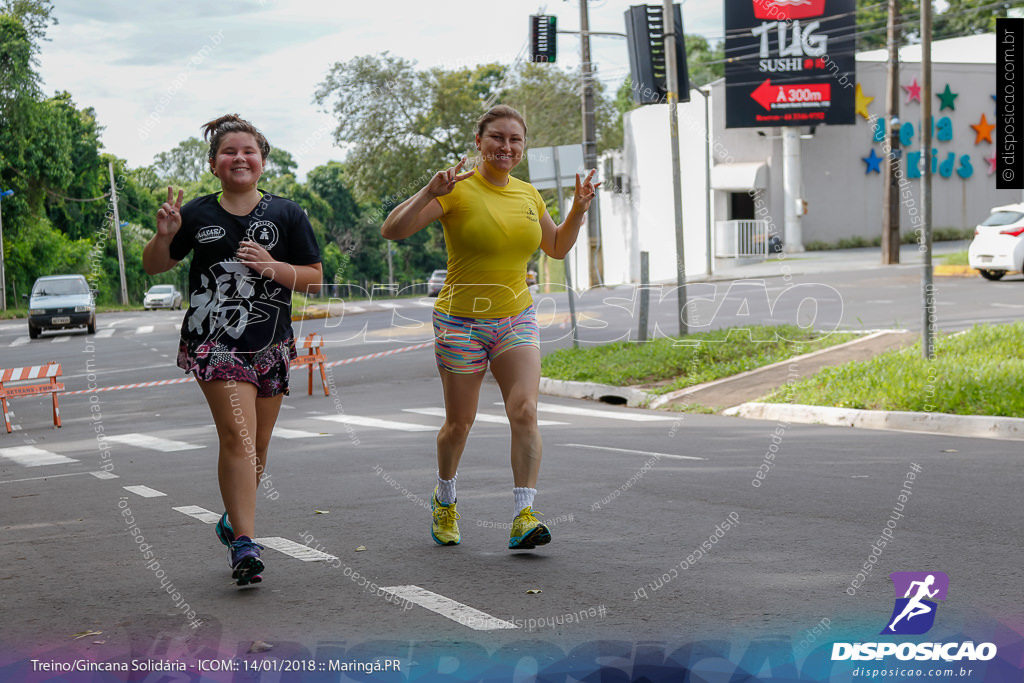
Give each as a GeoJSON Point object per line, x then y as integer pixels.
{"type": "Point", "coordinates": [162, 296]}
{"type": "Point", "coordinates": [998, 245]}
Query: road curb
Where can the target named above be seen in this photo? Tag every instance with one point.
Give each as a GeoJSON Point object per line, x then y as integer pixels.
{"type": "Point", "coordinates": [954, 271]}
{"type": "Point", "coordinates": [976, 426]}
{"type": "Point", "coordinates": [634, 398]}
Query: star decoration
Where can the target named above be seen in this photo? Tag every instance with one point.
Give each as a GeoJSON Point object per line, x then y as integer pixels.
{"type": "Point", "coordinates": [983, 130]}
{"type": "Point", "coordinates": [991, 164]}
{"type": "Point", "coordinates": [873, 161]}
{"type": "Point", "coordinates": [862, 102]}
{"type": "Point", "coordinates": [947, 96]}
{"type": "Point", "coordinates": [913, 91]}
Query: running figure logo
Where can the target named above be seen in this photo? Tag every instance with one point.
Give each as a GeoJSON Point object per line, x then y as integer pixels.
{"type": "Point", "coordinates": [914, 612]}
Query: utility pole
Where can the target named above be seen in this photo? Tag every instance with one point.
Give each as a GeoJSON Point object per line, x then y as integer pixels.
{"type": "Point", "coordinates": [927, 289]}
{"type": "Point", "coordinates": [590, 148]}
{"type": "Point", "coordinates": [117, 231]}
{"type": "Point", "coordinates": [891, 199]}
{"type": "Point", "coordinates": [672, 94]}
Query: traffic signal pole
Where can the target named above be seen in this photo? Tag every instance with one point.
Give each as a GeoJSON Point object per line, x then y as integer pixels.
{"type": "Point", "coordinates": [672, 73]}
{"type": "Point", "coordinates": [596, 259]}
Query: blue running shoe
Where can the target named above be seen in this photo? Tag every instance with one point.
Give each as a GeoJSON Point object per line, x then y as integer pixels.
{"type": "Point", "coordinates": [244, 558]}
{"type": "Point", "coordinates": [224, 531]}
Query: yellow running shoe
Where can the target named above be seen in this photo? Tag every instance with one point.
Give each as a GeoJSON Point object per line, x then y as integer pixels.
{"type": "Point", "coordinates": [527, 531]}
{"type": "Point", "coordinates": [445, 528]}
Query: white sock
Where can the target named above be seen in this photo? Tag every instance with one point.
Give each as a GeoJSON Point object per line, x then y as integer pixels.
{"type": "Point", "coordinates": [524, 497]}
{"type": "Point", "coordinates": [446, 489]}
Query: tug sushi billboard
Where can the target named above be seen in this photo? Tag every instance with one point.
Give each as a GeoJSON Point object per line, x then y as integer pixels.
{"type": "Point", "coordinates": [790, 62]}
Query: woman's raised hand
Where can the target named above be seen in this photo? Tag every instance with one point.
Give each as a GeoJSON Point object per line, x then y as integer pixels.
{"type": "Point", "coordinates": [443, 182]}
{"type": "Point", "coordinates": [168, 216]}
{"type": "Point", "coordinates": [585, 191]}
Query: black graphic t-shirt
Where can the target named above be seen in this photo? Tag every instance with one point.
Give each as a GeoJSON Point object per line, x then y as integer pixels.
{"type": "Point", "coordinates": [229, 302]}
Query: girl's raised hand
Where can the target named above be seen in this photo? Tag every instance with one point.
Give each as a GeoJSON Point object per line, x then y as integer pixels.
{"type": "Point", "coordinates": [168, 216]}
{"type": "Point", "coordinates": [585, 191]}
{"type": "Point", "coordinates": [443, 182]}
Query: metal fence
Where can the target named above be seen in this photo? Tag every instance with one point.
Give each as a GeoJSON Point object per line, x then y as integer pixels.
{"type": "Point", "coordinates": [735, 239]}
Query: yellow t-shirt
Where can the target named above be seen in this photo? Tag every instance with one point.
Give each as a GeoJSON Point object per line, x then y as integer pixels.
{"type": "Point", "coordinates": [490, 232]}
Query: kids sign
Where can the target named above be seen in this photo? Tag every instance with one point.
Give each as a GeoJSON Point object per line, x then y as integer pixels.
{"type": "Point", "coordinates": [791, 62]}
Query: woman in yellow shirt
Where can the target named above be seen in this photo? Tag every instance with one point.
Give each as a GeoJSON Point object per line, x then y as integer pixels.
{"type": "Point", "coordinates": [493, 223]}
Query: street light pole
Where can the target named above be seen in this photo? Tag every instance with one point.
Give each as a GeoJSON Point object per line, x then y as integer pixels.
{"type": "Point", "coordinates": [3, 273]}
{"type": "Point", "coordinates": [117, 231]}
{"type": "Point", "coordinates": [672, 95]}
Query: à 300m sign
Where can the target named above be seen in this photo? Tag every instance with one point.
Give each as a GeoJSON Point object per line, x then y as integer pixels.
{"type": "Point", "coordinates": [790, 62]}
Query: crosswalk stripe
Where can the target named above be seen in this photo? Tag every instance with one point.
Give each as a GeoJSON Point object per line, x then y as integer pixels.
{"type": "Point", "coordinates": [105, 332]}
{"type": "Point", "coordinates": [376, 423]}
{"type": "Point", "coordinates": [103, 474]}
{"type": "Point", "coordinates": [153, 443]}
{"type": "Point", "coordinates": [293, 549]}
{"type": "Point", "coordinates": [604, 414]}
{"type": "Point", "coordinates": [20, 341]}
{"type": "Point", "coordinates": [480, 417]}
{"type": "Point", "coordinates": [61, 339]}
{"type": "Point", "coordinates": [30, 456]}
{"type": "Point", "coordinates": [446, 607]}
{"type": "Point", "coordinates": [294, 433]}
{"type": "Point", "coordinates": [196, 512]}
{"type": "Point", "coordinates": [635, 452]}
{"type": "Point", "coordinates": [144, 491]}
{"type": "Point", "coordinates": [144, 329]}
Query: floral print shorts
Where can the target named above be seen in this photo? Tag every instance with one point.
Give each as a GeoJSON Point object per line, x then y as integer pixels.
{"type": "Point", "coordinates": [267, 369]}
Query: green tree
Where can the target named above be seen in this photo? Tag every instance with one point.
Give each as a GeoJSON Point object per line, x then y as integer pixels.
{"type": "Point", "coordinates": [872, 19]}
{"type": "Point", "coordinates": [187, 163]}
{"type": "Point", "coordinates": [968, 17]}
{"type": "Point", "coordinates": [704, 63]}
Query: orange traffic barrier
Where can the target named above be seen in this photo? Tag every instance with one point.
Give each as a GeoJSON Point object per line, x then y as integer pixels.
{"type": "Point", "coordinates": [36, 373]}
{"type": "Point", "coordinates": [313, 343]}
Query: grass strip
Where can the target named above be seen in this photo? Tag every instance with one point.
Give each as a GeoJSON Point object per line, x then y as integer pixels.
{"type": "Point", "coordinates": [977, 372]}
{"type": "Point", "coordinates": [676, 363]}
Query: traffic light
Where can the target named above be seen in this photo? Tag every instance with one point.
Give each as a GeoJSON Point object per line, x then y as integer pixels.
{"type": "Point", "coordinates": [645, 35]}
{"type": "Point", "coordinates": [543, 43]}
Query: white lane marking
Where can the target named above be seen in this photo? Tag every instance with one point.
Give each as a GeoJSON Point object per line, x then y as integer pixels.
{"type": "Point", "coordinates": [373, 422]}
{"type": "Point", "coordinates": [354, 309]}
{"type": "Point", "coordinates": [144, 329]}
{"type": "Point", "coordinates": [294, 433]}
{"type": "Point", "coordinates": [30, 456]}
{"type": "Point", "coordinates": [879, 301]}
{"type": "Point", "coordinates": [480, 417]}
{"type": "Point", "coordinates": [998, 305]}
{"type": "Point", "coordinates": [51, 476]}
{"type": "Point", "coordinates": [446, 607]}
{"type": "Point", "coordinates": [61, 340]}
{"type": "Point", "coordinates": [387, 304]}
{"type": "Point", "coordinates": [606, 414]}
{"type": "Point", "coordinates": [630, 450]}
{"type": "Point", "coordinates": [144, 491]}
{"type": "Point", "coordinates": [154, 443]}
{"type": "Point", "coordinates": [105, 332]}
{"type": "Point", "coordinates": [293, 549]}
{"type": "Point", "coordinates": [202, 514]}
{"type": "Point", "coordinates": [103, 474]}
{"type": "Point", "coordinates": [20, 341]}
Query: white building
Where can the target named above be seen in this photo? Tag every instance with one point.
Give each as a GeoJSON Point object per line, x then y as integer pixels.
{"type": "Point", "coordinates": [842, 190]}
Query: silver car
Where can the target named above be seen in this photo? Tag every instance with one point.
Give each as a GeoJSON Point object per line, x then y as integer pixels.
{"type": "Point", "coordinates": [162, 296]}
{"type": "Point", "coordinates": [59, 302]}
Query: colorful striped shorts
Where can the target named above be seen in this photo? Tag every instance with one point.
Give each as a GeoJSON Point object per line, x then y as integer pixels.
{"type": "Point", "coordinates": [464, 345]}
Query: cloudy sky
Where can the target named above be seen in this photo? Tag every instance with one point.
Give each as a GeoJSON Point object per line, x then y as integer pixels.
{"type": "Point", "coordinates": [155, 70]}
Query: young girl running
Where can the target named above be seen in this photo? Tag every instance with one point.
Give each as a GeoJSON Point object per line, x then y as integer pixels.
{"type": "Point", "coordinates": [493, 224]}
{"type": "Point", "coordinates": [251, 249]}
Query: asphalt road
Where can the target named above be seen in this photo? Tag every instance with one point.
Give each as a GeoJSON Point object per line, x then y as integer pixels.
{"type": "Point", "coordinates": [631, 496]}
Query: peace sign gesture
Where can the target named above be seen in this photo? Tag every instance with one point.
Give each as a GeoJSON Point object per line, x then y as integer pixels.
{"type": "Point", "coordinates": [443, 182]}
{"type": "Point", "coordinates": [585, 191]}
{"type": "Point", "coordinates": [168, 216]}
